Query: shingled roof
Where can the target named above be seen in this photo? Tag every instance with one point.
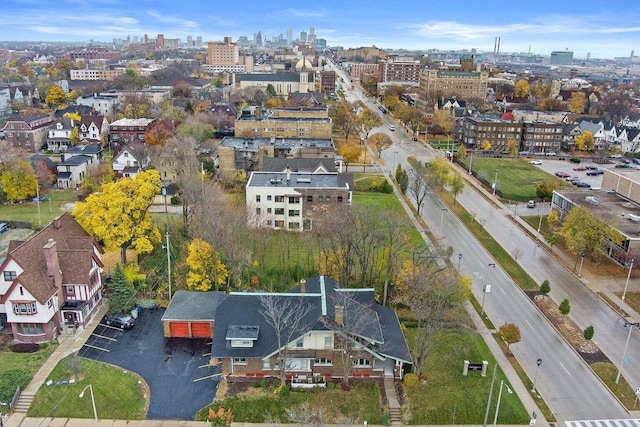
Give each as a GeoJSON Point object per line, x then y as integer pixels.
{"type": "Point", "coordinates": [75, 249]}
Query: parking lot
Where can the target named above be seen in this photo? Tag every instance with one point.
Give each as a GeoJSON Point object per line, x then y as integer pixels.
{"type": "Point", "coordinates": [177, 370]}
{"type": "Point", "coordinates": [552, 166]}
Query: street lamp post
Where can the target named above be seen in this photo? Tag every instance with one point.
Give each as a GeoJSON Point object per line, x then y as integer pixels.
{"type": "Point", "coordinates": [581, 262]}
{"type": "Point", "coordinates": [515, 211]}
{"type": "Point", "coordinates": [495, 418]}
{"type": "Point", "coordinates": [93, 401]}
{"type": "Point", "coordinates": [539, 221]}
{"type": "Point", "coordinates": [486, 288]}
{"type": "Point", "coordinates": [495, 182]}
{"type": "Point", "coordinates": [442, 217]}
{"type": "Point", "coordinates": [624, 294]}
{"type": "Point", "coordinates": [535, 377]}
{"type": "Point", "coordinates": [396, 161]}
{"type": "Point", "coordinates": [459, 261]}
{"type": "Point", "coordinates": [626, 344]}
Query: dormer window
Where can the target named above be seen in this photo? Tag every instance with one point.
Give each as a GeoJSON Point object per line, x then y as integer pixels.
{"type": "Point", "coordinates": [239, 336]}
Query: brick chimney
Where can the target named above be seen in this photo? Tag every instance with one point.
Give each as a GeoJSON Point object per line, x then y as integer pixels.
{"type": "Point", "coordinates": [52, 263]}
{"type": "Point", "coordinates": [339, 314]}
{"type": "Point", "coordinates": [57, 223]}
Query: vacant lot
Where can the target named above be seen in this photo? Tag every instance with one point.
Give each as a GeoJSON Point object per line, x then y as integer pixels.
{"type": "Point", "coordinates": [50, 208]}
{"type": "Point", "coordinates": [517, 178]}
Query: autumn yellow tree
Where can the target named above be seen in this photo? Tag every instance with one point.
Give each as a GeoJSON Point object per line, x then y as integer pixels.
{"type": "Point", "coordinates": [18, 180]}
{"type": "Point", "coordinates": [55, 96]}
{"type": "Point", "coordinates": [207, 271]}
{"type": "Point", "coordinates": [577, 102]}
{"type": "Point", "coordinates": [522, 89]}
{"type": "Point", "coordinates": [512, 147]}
{"type": "Point", "coordinates": [486, 145]}
{"type": "Point", "coordinates": [369, 120]}
{"type": "Point", "coordinates": [350, 153]}
{"type": "Point", "coordinates": [585, 141]}
{"type": "Point", "coordinates": [443, 119]}
{"type": "Point", "coordinates": [119, 215]}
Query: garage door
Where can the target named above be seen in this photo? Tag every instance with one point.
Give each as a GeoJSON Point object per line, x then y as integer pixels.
{"type": "Point", "coordinates": [201, 330]}
{"type": "Point", "coordinates": [179, 329]}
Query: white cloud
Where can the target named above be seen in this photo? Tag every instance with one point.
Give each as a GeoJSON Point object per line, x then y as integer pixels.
{"type": "Point", "coordinates": [172, 19]}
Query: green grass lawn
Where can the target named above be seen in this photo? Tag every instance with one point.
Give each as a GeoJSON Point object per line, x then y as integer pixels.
{"type": "Point", "coordinates": [116, 392]}
{"type": "Point", "coordinates": [447, 397]}
{"type": "Point", "coordinates": [361, 403]}
{"type": "Point", "coordinates": [517, 178]}
{"type": "Point", "coordinates": [17, 369]}
{"type": "Point", "coordinates": [49, 209]}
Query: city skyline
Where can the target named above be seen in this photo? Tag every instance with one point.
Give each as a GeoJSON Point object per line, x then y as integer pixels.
{"type": "Point", "coordinates": [582, 27]}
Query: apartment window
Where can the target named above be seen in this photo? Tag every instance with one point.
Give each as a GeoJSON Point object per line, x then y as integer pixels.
{"type": "Point", "coordinates": [70, 290]}
{"type": "Point", "coordinates": [279, 224]}
{"type": "Point", "coordinates": [362, 363]}
{"type": "Point", "coordinates": [294, 212]}
{"type": "Point", "coordinates": [266, 364]}
{"type": "Point", "coordinates": [50, 303]}
{"type": "Point", "coordinates": [258, 198]}
{"type": "Point", "coordinates": [258, 211]}
{"type": "Point", "coordinates": [323, 361]}
{"type": "Point", "coordinates": [310, 199]}
{"type": "Point", "coordinates": [30, 329]}
{"type": "Point", "coordinates": [294, 225]}
{"type": "Point", "coordinates": [9, 275]}
{"type": "Point", "coordinates": [25, 308]}
{"type": "Point", "coordinates": [239, 360]}
{"type": "Point", "coordinates": [294, 200]}
{"type": "Point", "coordinates": [299, 343]}
{"type": "Point", "coordinates": [340, 199]}
{"type": "Point", "coordinates": [279, 199]}
{"type": "Point", "coordinates": [328, 342]}
{"type": "Point", "coordinates": [268, 210]}
{"type": "Point", "coordinates": [320, 199]}
{"type": "Point", "coordinates": [279, 211]}
{"type": "Point", "coordinates": [328, 198]}
{"type": "Point", "coordinates": [268, 198]}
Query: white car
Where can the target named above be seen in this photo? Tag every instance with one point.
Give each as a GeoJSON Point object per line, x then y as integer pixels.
{"type": "Point", "coordinates": [535, 162]}
{"type": "Point", "coordinates": [392, 128]}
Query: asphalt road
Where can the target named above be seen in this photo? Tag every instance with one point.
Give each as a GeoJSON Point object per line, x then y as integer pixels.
{"type": "Point", "coordinates": [568, 386]}
{"type": "Point", "coordinates": [169, 366]}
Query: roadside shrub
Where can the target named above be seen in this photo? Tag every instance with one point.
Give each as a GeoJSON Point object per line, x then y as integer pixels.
{"type": "Point", "coordinates": [545, 288]}
{"type": "Point", "coordinates": [25, 348]}
{"type": "Point", "coordinates": [382, 187]}
{"type": "Point", "coordinates": [588, 333]}
{"type": "Point", "coordinates": [175, 200]}
{"type": "Point", "coordinates": [411, 380]}
{"type": "Point", "coordinates": [575, 160]}
{"type": "Point", "coordinates": [10, 380]}
{"type": "Point", "coordinates": [331, 385]}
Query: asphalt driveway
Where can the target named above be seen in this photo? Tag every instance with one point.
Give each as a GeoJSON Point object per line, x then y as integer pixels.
{"type": "Point", "coordinates": [169, 366]}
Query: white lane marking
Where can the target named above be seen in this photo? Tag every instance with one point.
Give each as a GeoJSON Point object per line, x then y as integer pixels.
{"type": "Point", "coordinates": [565, 369]}
{"type": "Point", "coordinates": [529, 324]}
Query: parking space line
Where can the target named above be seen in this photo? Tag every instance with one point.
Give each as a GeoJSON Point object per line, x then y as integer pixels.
{"type": "Point", "coordinates": [112, 327]}
{"type": "Point", "coordinates": [207, 377]}
{"type": "Point", "coordinates": [96, 347]}
{"type": "Point", "coordinates": [103, 336]}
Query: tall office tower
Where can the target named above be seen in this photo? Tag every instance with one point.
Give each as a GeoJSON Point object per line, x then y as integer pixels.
{"type": "Point", "coordinates": [312, 36]}
{"type": "Point", "coordinates": [199, 41]}
{"type": "Point", "coordinates": [189, 41]}
{"type": "Point", "coordinates": [303, 37]}
{"type": "Point", "coordinates": [259, 39]}
{"type": "Point", "coordinates": [289, 36]}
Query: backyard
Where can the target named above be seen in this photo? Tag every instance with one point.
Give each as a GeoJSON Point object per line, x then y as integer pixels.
{"type": "Point", "coordinates": [50, 207]}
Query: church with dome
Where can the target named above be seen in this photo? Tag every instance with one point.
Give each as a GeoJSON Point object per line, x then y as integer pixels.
{"type": "Point", "coordinates": [300, 81]}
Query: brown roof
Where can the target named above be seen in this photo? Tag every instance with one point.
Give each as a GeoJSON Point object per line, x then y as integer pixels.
{"type": "Point", "coordinates": [75, 253]}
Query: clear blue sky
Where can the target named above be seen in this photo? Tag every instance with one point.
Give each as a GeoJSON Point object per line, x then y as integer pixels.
{"type": "Point", "coordinates": [603, 28]}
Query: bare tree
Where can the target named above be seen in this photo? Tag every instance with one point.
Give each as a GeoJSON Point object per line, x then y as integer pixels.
{"type": "Point", "coordinates": [418, 188]}
{"type": "Point", "coordinates": [288, 316]}
{"type": "Point", "coordinates": [435, 297]}
{"type": "Point", "coordinates": [305, 414]}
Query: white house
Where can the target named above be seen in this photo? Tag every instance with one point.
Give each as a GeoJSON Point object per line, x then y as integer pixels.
{"type": "Point", "coordinates": [73, 168]}
{"type": "Point", "coordinates": [104, 105]}
{"type": "Point", "coordinates": [59, 134]}
{"type": "Point", "coordinates": [131, 160]}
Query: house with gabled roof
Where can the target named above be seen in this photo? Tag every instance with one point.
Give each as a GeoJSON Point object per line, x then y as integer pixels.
{"type": "Point", "coordinates": [93, 128]}
{"type": "Point", "coordinates": [74, 165]}
{"type": "Point", "coordinates": [246, 344]}
{"type": "Point", "coordinates": [131, 160]}
{"type": "Point", "coordinates": [59, 134]}
{"type": "Point", "coordinates": [51, 281]}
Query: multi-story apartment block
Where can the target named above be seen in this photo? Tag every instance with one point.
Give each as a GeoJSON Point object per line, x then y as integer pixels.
{"type": "Point", "coordinates": [93, 54]}
{"type": "Point", "coordinates": [359, 69]}
{"type": "Point", "coordinates": [399, 70]}
{"type": "Point", "coordinates": [532, 136]}
{"type": "Point", "coordinates": [87, 74]}
{"type": "Point", "coordinates": [28, 132]}
{"type": "Point", "coordinates": [103, 105]}
{"type": "Point", "coordinates": [246, 153]}
{"type": "Point", "coordinates": [126, 131]}
{"type": "Point", "coordinates": [289, 201]}
{"type": "Point", "coordinates": [300, 122]}
{"type": "Point", "coordinates": [327, 82]}
{"type": "Point", "coordinates": [461, 82]}
{"type": "Point", "coordinates": [221, 53]}
{"type": "Point", "coordinates": [366, 54]}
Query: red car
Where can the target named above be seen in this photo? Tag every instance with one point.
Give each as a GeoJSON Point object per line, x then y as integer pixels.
{"type": "Point", "coordinates": [580, 168]}
{"type": "Point", "coordinates": [562, 175]}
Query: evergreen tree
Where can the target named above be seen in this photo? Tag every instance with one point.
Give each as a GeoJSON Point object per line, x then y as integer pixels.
{"type": "Point", "coordinates": [121, 292]}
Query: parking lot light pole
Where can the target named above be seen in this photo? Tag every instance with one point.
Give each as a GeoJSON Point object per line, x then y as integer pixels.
{"type": "Point", "coordinates": [495, 182]}
{"type": "Point", "coordinates": [495, 418]}
{"type": "Point", "coordinates": [93, 402]}
{"type": "Point", "coordinates": [486, 288]}
{"type": "Point", "coordinates": [581, 262]}
{"type": "Point", "coordinates": [539, 221]}
{"type": "Point", "coordinates": [459, 261]}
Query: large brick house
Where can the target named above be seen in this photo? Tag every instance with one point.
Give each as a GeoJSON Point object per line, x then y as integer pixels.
{"type": "Point", "coordinates": [246, 344]}
{"type": "Point", "coordinates": [28, 132]}
{"type": "Point", "coordinates": [51, 281]}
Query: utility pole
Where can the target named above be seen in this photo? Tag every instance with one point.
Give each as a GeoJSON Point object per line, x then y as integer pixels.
{"type": "Point", "coordinates": [166, 212]}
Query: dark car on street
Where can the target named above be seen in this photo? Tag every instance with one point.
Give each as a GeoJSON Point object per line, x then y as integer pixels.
{"type": "Point", "coordinates": [122, 321]}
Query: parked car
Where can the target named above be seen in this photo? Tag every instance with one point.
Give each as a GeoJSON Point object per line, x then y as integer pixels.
{"type": "Point", "coordinates": [580, 168]}
{"type": "Point", "coordinates": [561, 174]}
{"type": "Point", "coordinates": [595, 172]}
{"type": "Point", "coordinates": [531, 204]}
{"type": "Point", "coordinates": [551, 153]}
{"type": "Point", "coordinates": [535, 162]}
{"type": "Point", "coordinates": [523, 153]}
{"type": "Point", "coordinates": [120, 320]}
{"type": "Point", "coordinates": [581, 184]}
{"type": "Point", "coordinates": [3, 227]}
{"type": "Point", "coordinates": [590, 167]}
{"type": "Point", "coordinates": [38, 199]}
{"type": "Point", "coordinates": [392, 128]}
